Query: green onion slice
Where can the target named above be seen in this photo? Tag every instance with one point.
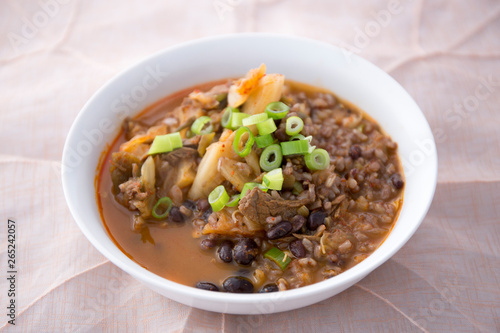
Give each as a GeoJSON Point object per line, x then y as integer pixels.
{"type": "Point", "coordinates": [294, 125]}
{"type": "Point", "coordinates": [233, 202]}
{"type": "Point", "coordinates": [278, 257]}
{"type": "Point", "coordinates": [237, 119]}
{"type": "Point", "coordinates": [218, 198]}
{"type": "Point", "coordinates": [273, 180]}
{"type": "Point", "coordinates": [263, 141]}
{"type": "Point", "coordinates": [271, 158]}
{"type": "Point", "coordinates": [200, 125]}
{"type": "Point", "coordinates": [247, 187]}
{"type": "Point", "coordinates": [295, 147]}
{"type": "Point", "coordinates": [165, 143]}
{"type": "Point", "coordinates": [266, 127]}
{"type": "Point", "coordinates": [247, 146]}
{"type": "Point", "coordinates": [277, 110]}
{"type": "Point", "coordinates": [298, 137]}
{"type": "Point", "coordinates": [165, 205]}
{"type": "Point", "coordinates": [255, 119]}
{"type": "Point", "coordinates": [317, 160]}
{"type": "Point", "coordinates": [227, 117]}
{"type": "Point", "coordinates": [301, 137]}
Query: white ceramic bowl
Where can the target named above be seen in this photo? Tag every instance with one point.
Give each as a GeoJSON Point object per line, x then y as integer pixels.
{"type": "Point", "coordinates": [347, 75]}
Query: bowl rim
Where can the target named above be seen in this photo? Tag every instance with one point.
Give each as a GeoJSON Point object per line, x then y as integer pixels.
{"type": "Point", "coordinates": [348, 277]}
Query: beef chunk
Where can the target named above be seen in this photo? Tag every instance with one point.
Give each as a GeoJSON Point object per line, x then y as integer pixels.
{"type": "Point", "coordinates": [258, 205]}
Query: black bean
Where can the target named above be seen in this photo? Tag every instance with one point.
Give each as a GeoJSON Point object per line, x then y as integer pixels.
{"type": "Point", "coordinates": [397, 181]}
{"type": "Point", "coordinates": [207, 286]}
{"type": "Point", "coordinates": [297, 248]}
{"type": "Point", "coordinates": [245, 251]}
{"type": "Point", "coordinates": [316, 219]}
{"type": "Point", "coordinates": [208, 243]}
{"type": "Point", "coordinates": [279, 230]}
{"type": "Point", "coordinates": [225, 251]}
{"type": "Point", "coordinates": [269, 288]}
{"type": "Point", "coordinates": [189, 204]}
{"type": "Point", "coordinates": [176, 215]}
{"type": "Point", "coordinates": [203, 205]}
{"type": "Point", "coordinates": [238, 284]}
{"type": "Point", "coordinates": [355, 152]}
{"type": "Point", "coordinates": [297, 222]}
{"type": "Point", "coordinates": [206, 214]}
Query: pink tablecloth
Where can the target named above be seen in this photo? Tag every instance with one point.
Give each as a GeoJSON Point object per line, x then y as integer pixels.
{"type": "Point", "coordinates": [54, 54]}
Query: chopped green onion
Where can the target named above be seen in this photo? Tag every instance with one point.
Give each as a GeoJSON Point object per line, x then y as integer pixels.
{"type": "Point", "coordinates": [263, 141]}
{"type": "Point", "coordinates": [273, 180]}
{"type": "Point", "coordinates": [165, 201]}
{"type": "Point", "coordinates": [266, 127]}
{"type": "Point", "coordinates": [298, 137]}
{"type": "Point", "coordinates": [247, 146]}
{"type": "Point", "coordinates": [199, 125]}
{"type": "Point", "coordinates": [317, 160]}
{"type": "Point", "coordinates": [249, 186]}
{"type": "Point", "coordinates": [218, 198]}
{"type": "Point", "coordinates": [278, 257]}
{"type": "Point", "coordinates": [237, 120]}
{"type": "Point", "coordinates": [165, 143]}
{"type": "Point", "coordinates": [277, 110]}
{"type": "Point", "coordinates": [255, 119]}
{"type": "Point", "coordinates": [234, 201]}
{"type": "Point", "coordinates": [175, 139]}
{"type": "Point", "coordinates": [301, 137]}
{"type": "Point", "coordinates": [297, 188]}
{"type": "Point", "coordinates": [294, 125]}
{"type": "Point", "coordinates": [271, 158]}
{"type": "Point", "coordinates": [227, 117]}
{"type": "Point", "coordinates": [295, 147]}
